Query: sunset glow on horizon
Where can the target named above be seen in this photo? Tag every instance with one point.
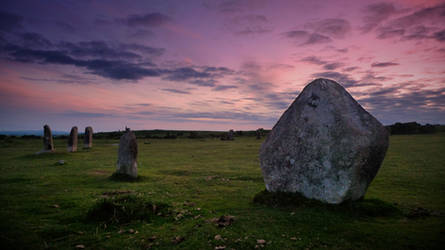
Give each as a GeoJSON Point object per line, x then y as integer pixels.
{"type": "Point", "coordinates": [214, 65]}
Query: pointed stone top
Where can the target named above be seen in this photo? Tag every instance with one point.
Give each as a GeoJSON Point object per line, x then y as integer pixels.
{"type": "Point", "coordinates": [324, 83]}
{"type": "Point", "coordinates": [326, 91]}
{"type": "Point", "coordinates": [323, 80]}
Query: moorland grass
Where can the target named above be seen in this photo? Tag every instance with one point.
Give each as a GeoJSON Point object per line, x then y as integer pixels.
{"type": "Point", "coordinates": [194, 181]}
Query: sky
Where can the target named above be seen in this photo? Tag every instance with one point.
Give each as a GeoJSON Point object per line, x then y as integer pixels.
{"type": "Point", "coordinates": [214, 65]}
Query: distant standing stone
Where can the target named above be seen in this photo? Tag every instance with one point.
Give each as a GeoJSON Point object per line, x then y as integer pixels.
{"type": "Point", "coordinates": [72, 140]}
{"type": "Point", "coordinates": [48, 143]}
{"type": "Point", "coordinates": [88, 138]}
{"type": "Point", "coordinates": [259, 133]}
{"type": "Point", "coordinates": [128, 153]}
{"type": "Point", "coordinates": [325, 146]}
{"type": "Point", "coordinates": [230, 135]}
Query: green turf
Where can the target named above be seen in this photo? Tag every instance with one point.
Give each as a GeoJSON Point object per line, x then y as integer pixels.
{"type": "Point", "coordinates": [193, 182]}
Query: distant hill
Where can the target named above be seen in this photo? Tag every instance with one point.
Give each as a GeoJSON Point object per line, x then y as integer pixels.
{"type": "Point", "coordinates": [173, 134]}
{"type": "Point", "coordinates": [30, 132]}
{"type": "Point", "coordinates": [396, 128]}
{"type": "Point", "coordinates": [399, 128]}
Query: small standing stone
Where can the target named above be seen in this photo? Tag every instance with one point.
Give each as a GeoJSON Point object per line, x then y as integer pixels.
{"type": "Point", "coordinates": [72, 140]}
{"type": "Point", "coordinates": [48, 143]}
{"type": "Point", "coordinates": [128, 153]}
{"type": "Point", "coordinates": [88, 138]}
{"type": "Point", "coordinates": [259, 133]}
{"type": "Point", "coordinates": [230, 135]}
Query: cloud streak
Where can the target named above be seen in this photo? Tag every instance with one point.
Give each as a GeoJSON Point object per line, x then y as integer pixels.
{"type": "Point", "coordinates": [327, 65]}
{"type": "Point", "coordinates": [249, 25]}
{"type": "Point", "coordinates": [224, 87]}
{"type": "Point", "coordinates": [376, 14]}
{"type": "Point", "coordinates": [10, 21]}
{"type": "Point", "coordinates": [332, 27]}
{"type": "Point", "coordinates": [124, 61]}
{"type": "Point", "coordinates": [302, 38]}
{"type": "Point", "coordinates": [154, 19]}
{"type": "Point", "coordinates": [383, 64]}
{"type": "Point", "coordinates": [176, 91]}
{"type": "Point", "coordinates": [425, 23]}
{"type": "Point", "coordinates": [319, 32]}
{"type": "Point", "coordinates": [113, 69]}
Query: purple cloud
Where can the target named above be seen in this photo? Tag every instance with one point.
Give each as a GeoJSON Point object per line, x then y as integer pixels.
{"type": "Point", "coordinates": [383, 64]}
{"type": "Point", "coordinates": [176, 91]}
{"type": "Point", "coordinates": [154, 19]}
{"type": "Point", "coordinates": [376, 14]}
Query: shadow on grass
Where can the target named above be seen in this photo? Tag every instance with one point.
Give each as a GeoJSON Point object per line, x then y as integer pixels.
{"type": "Point", "coordinates": [47, 155]}
{"type": "Point", "coordinates": [126, 178]}
{"type": "Point", "coordinates": [58, 152]}
{"type": "Point", "coordinates": [176, 172]}
{"type": "Point", "coordinates": [360, 208]}
{"type": "Point", "coordinates": [121, 209]}
{"type": "Point", "coordinates": [248, 178]}
{"type": "Point", "coordinates": [15, 180]}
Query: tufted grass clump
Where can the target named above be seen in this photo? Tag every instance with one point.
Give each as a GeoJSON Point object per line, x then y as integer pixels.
{"type": "Point", "coordinates": [126, 208]}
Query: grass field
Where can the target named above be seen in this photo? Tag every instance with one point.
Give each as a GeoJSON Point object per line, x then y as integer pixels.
{"type": "Point", "coordinates": [193, 181]}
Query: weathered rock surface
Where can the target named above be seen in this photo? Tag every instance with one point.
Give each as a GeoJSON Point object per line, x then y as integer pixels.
{"type": "Point", "coordinates": [128, 153]}
{"type": "Point", "coordinates": [48, 143]}
{"type": "Point", "coordinates": [72, 140]}
{"type": "Point", "coordinates": [88, 138]}
{"type": "Point", "coordinates": [325, 146]}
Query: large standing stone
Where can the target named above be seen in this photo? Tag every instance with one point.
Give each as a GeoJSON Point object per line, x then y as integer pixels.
{"type": "Point", "coordinates": [72, 140]}
{"type": "Point", "coordinates": [128, 152]}
{"type": "Point", "coordinates": [48, 143]}
{"type": "Point", "coordinates": [325, 146]}
{"type": "Point", "coordinates": [88, 138]}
